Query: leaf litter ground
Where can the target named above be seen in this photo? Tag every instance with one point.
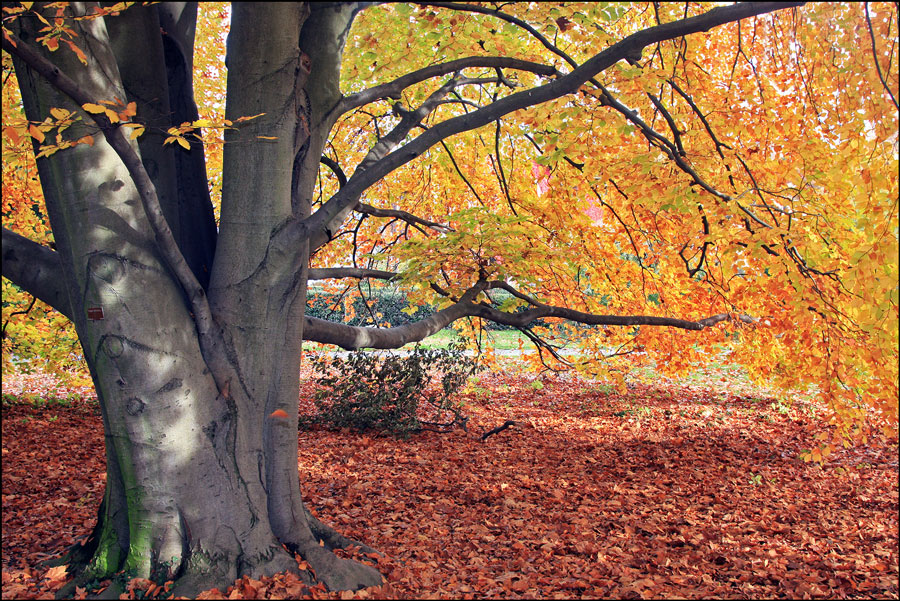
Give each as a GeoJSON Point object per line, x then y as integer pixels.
{"type": "Point", "coordinates": [675, 489]}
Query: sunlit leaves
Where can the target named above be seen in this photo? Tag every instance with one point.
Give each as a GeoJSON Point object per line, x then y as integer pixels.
{"type": "Point", "coordinates": [191, 129]}
{"type": "Point", "coordinates": [783, 206]}
{"type": "Point", "coordinates": [771, 114]}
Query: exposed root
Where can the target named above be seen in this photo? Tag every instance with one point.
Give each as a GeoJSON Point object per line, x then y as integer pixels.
{"type": "Point", "coordinates": [340, 574]}
{"type": "Point", "coordinates": [331, 538]}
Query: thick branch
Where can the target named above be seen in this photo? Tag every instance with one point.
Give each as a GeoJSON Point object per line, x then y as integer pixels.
{"type": "Point", "coordinates": [526, 317]}
{"type": "Point", "coordinates": [408, 121]}
{"type": "Point", "coordinates": [116, 139]}
{"type": "Point", "coordinates": [393, 89]}
{"type": "Point", "coordinates": [37, 270]}
{"type": "Point", "coordinates": [401, 215]}
{"type": "Point", "coordinates": [629, 47]}
{"type": "Point", "coordinates": [327, 273]}
{"type": "Point", "coordinates": [354, 337]}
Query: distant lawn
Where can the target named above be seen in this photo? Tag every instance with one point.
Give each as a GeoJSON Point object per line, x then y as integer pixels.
{"type": "Point", "coordinates": [502, 340]}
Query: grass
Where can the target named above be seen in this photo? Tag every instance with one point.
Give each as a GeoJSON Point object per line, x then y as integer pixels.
{"type": "Point", "coordinates": [502, 340]}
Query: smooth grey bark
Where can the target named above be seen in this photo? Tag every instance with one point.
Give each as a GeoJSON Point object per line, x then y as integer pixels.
{"type": "Point", "coordinates": [166, 427]}
{"type": "Point", "coordinates": [188, 480]}
{"type": "Point", "coordinates": [37, 269]}
{"type": "Point", "coordinates": [258, 288]}
{"type": "Point", "coordinates": [157, 75]}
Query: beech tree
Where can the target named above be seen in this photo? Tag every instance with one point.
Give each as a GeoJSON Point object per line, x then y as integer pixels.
{"type": "Point", "coordinates": [671, 179]}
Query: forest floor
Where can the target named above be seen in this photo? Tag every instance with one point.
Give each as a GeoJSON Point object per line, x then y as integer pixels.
{"type": "Point", "coordinates": [689, 489]}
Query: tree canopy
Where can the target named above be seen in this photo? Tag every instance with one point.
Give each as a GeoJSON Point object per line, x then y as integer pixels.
{"type": "Point", "coordinates": [749, 170]}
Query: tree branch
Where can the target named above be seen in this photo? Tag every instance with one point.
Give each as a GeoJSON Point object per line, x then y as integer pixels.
{"type": "Point", "coordinates": [484, 10]}
{"type": "Point", "coordinates": [114, 136]}
{"type": "Point", "coordinates": [393, 89]}
{"type": "Point", "coordinates": [36, 269]}
{"type": "Point", "coordinates": [327, 273]}
{"type": "Point", "coordinates": [367, 209]}
{"type": "Point", "coordinates": [401, 215]}
{"type": "Point", "coordinates": [355, 337]}
{"type": "Point", "coordinates": [875, 56]}
{"type": "Point", "coordinates": [629, 47]}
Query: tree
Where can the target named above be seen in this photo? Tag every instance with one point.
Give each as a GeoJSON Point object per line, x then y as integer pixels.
{"type": "Point", "coordinates": [645, 172]}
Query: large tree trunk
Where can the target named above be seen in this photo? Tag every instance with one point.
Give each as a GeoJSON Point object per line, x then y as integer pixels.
{"type": "Point", "coordinates": [202, 484]}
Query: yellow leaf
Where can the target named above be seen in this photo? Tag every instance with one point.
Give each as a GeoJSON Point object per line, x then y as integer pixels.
{"type": "Point", "coordinates": [89, 140]}
{"type": "Point", "coordinates": [36, 133]}
{"type": "Point", "coordinates": [267, 137]}
{"type": "Point", "coordinates": [202, 123]}
{"type": "Point", "coordinates": [47, 151]}
{"type": "Point", "coordinates": [112, 116]}
{"type": "Point", "coordinates": [136, 132]}
{"type": "Point", "coordinates": [183, 143]}
{"type": "Point", "coordinates": [59, 113]}
{"type": "Point", "coordinates": [93, 108]}
{"type": "Point", "coordinates": [239, 119]}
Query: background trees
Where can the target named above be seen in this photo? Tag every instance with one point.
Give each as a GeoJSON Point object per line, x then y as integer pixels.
{"type": "Point", "coordinates": [611, 166]}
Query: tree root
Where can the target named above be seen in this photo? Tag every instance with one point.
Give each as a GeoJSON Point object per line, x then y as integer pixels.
{"type": "Point", "coordinates": [331, 538]}
{"type": "Point", "coordinates": [340, 574]}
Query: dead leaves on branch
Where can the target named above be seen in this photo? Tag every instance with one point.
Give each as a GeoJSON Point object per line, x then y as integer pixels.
{"type": "Point", "coordinates": [692, 491]}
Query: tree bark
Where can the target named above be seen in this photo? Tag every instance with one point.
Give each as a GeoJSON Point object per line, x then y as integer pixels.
{"type": "Point", "coordinates": [202, 484]}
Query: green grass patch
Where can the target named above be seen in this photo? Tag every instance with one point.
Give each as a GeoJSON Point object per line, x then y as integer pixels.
{"type": "Point", "coordinates": [35, 400]}
{"type": "Point", "coordinates": [501, 340]}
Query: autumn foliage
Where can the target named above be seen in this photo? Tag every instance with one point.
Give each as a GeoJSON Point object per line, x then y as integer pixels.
{"type": "Point", "coordinates": [756, 187]}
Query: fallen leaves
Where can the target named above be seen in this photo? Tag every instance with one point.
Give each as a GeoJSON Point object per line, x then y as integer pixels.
{"type": "Point", "coordinates": [668, 491]}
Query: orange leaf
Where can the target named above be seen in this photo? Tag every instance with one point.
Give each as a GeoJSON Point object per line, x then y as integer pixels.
{"type": "Point", "coordinates": [12, 134]}
{"type": "Point", "coordinates": [78, 52]}
{"type": "Point", "coordinates": [36, 133]}
{"type": "Point", "coordinates": [57, 572]}
{"type": "Point", "coordinates": [278, 413]}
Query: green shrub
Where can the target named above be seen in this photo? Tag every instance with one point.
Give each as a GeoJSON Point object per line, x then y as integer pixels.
{"type": "Point", "coordinates": [385, 306]}
{"type": "Point", "coordinates": [393, 393]}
